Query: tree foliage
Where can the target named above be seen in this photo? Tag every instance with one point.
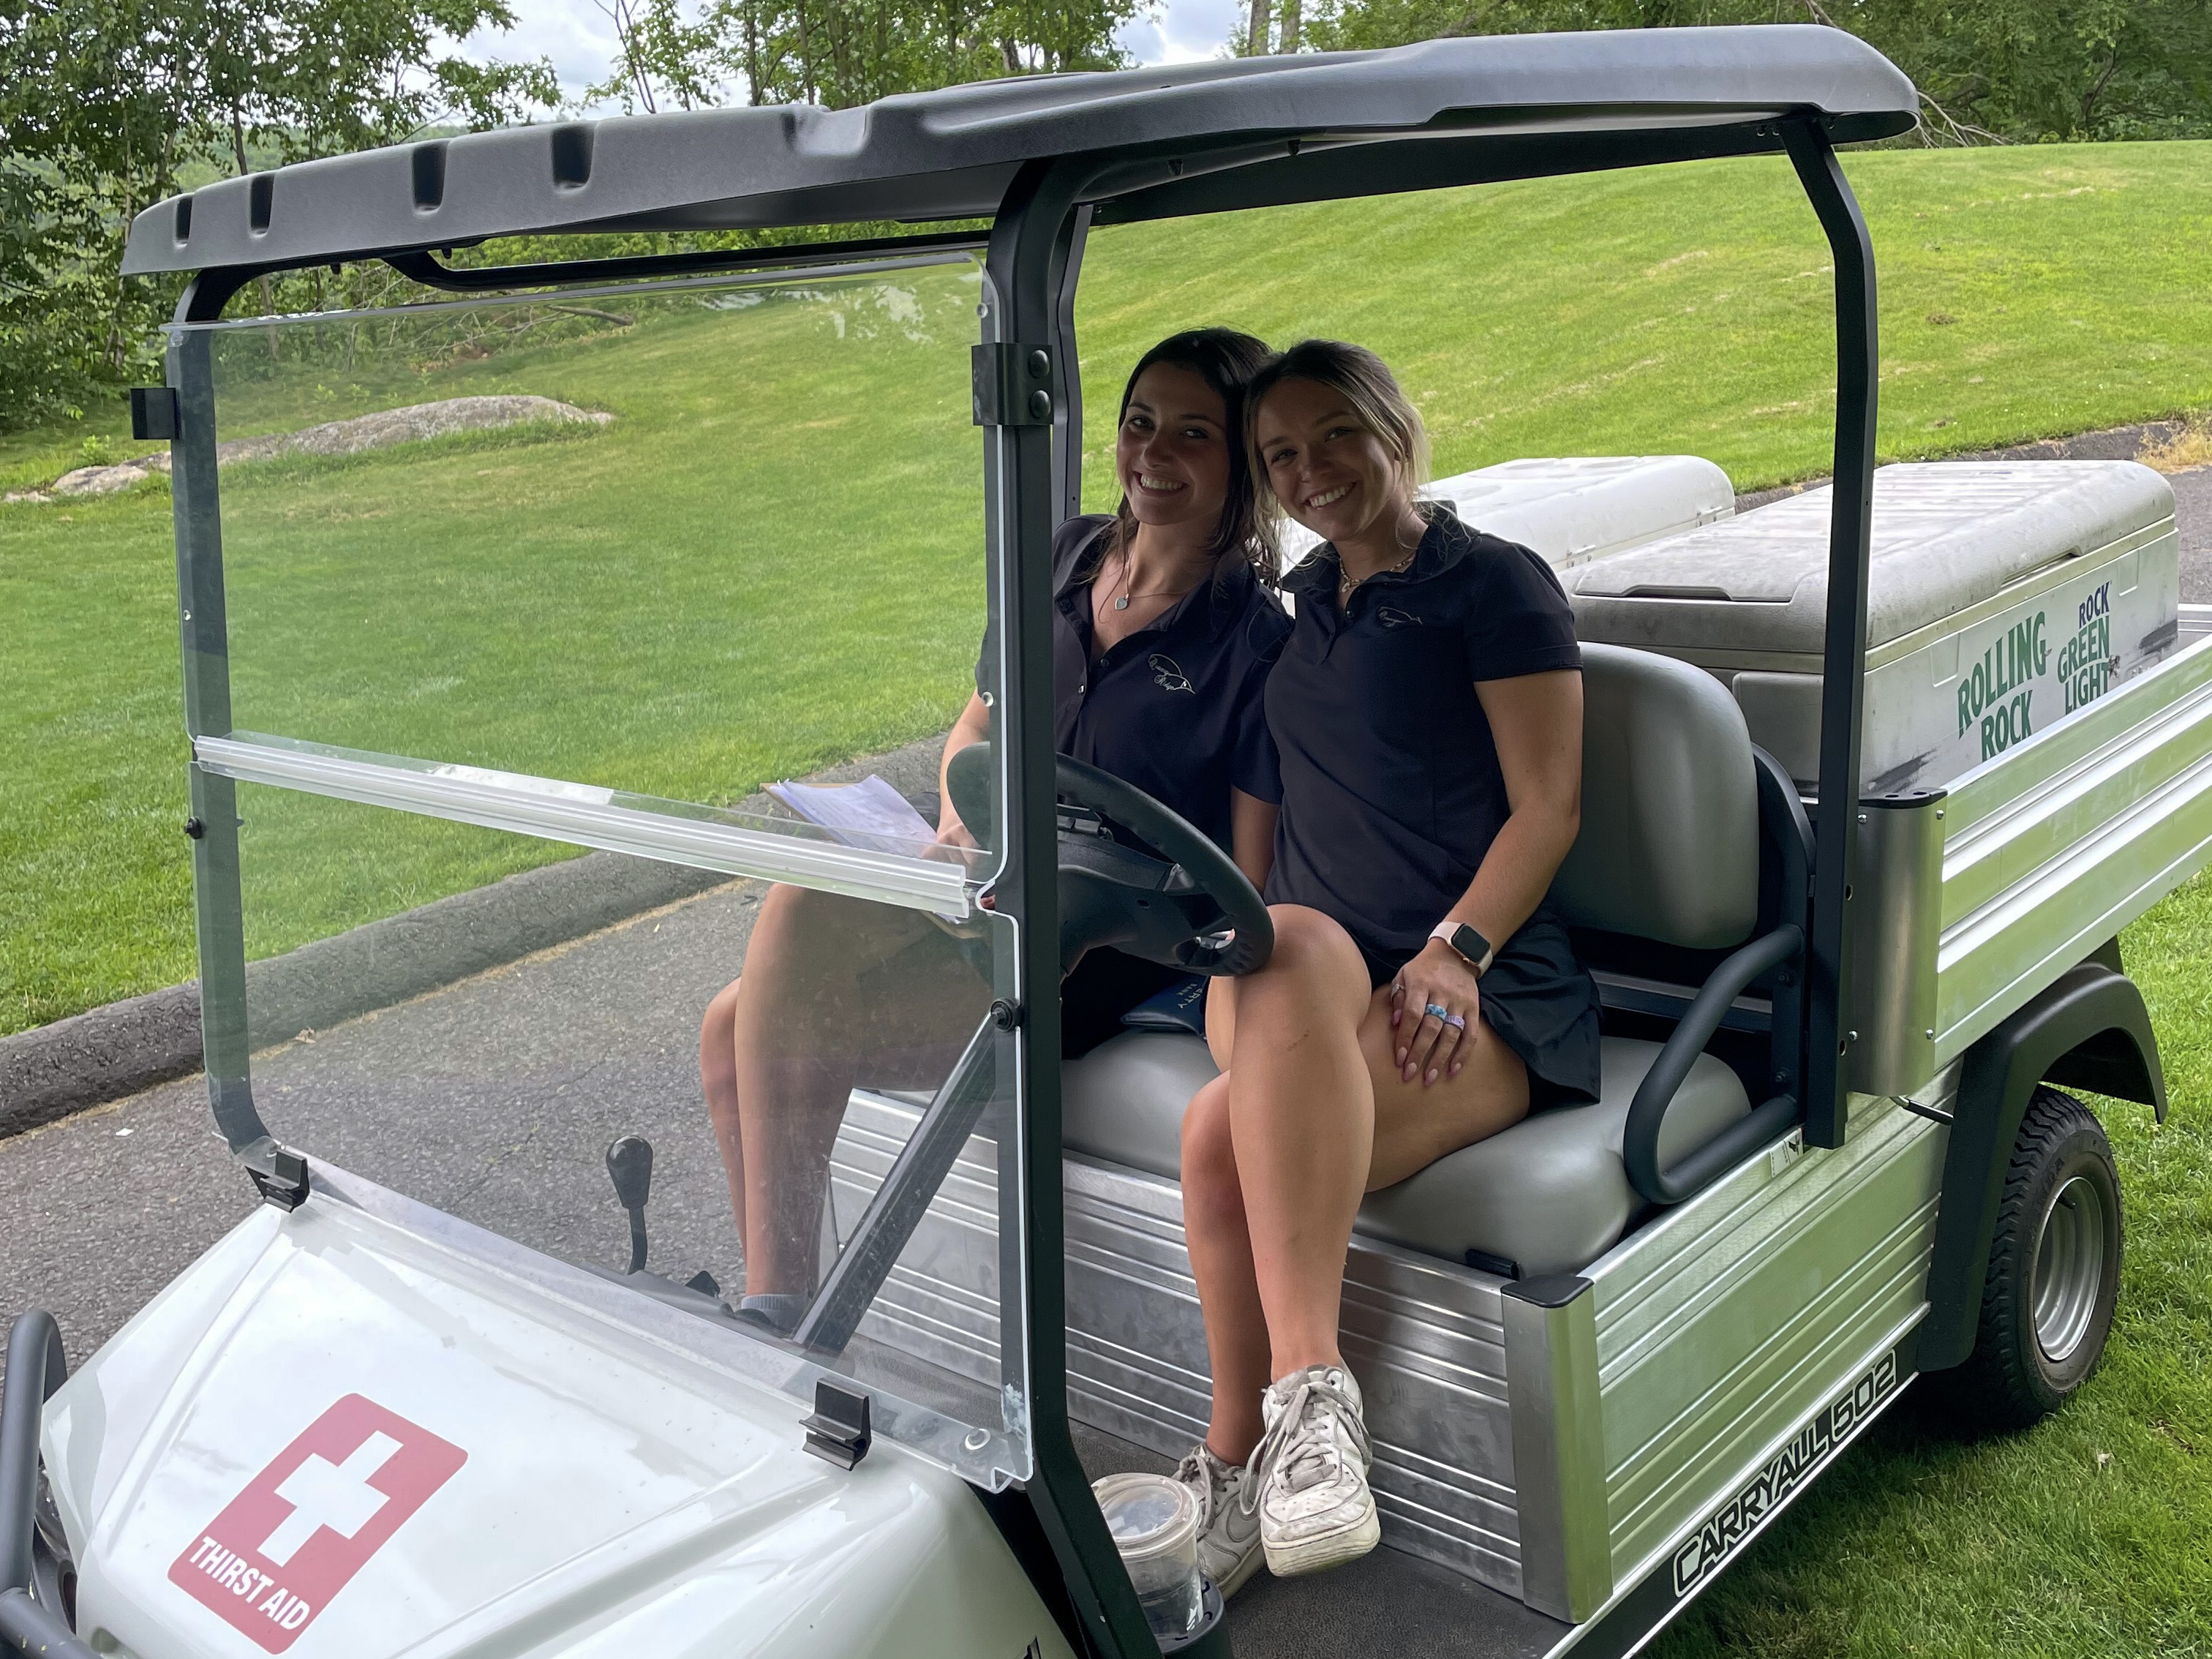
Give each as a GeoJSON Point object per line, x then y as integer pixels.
{"type": "Point", "coordinates": [841, 53]}
{"type": "Point", "coordinates": [2014, 70]}
{"type": "Point", "coordinates": [108, 105]}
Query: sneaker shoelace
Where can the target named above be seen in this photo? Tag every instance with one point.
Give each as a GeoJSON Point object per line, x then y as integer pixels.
{"type": "Point", "coordinates": [1193, 1472]}
{"type": "Point", "coordinates": [1306, 1453]}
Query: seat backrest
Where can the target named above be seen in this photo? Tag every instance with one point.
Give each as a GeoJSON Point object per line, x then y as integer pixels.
{"type": "Point", "coordinates": [1669, 842]}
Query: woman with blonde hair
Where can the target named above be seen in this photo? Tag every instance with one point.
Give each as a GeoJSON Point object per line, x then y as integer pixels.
{"type": "Point", "coordinates": [1427, 711]}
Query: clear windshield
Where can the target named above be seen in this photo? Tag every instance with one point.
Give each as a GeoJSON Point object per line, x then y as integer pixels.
{"type": "Point", "coordinates": [537, 610]}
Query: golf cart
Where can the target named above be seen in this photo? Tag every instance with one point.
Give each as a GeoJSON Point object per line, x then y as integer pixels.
{"type": "Point", "coordinates": [397, 1409]}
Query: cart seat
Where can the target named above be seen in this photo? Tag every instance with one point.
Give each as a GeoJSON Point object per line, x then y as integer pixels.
{"type": "Point", "coordinates": [1549, 1195]}
{"type": "Point", "coordinates": [1668, 852]}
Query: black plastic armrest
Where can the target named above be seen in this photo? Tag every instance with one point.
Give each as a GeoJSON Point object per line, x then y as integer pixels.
{"type": "Point", "coordinates": [1647, 1113]}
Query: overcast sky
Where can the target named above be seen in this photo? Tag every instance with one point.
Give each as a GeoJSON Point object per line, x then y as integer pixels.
{"type": "Point", "coordinates": [577, 35]}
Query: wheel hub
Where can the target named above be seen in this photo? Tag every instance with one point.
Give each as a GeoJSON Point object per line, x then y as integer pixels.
{"type": "Point", "coordinates": [2070, 1268]}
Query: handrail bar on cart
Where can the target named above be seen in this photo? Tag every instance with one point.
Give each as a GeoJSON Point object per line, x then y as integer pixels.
{"type": "Point", "coordinates": [36, 1369]}
{"type": "Point", "coordinates": [1647, 1113]}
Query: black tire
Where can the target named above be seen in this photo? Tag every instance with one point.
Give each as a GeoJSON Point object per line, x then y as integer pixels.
{"type": "Point", "coordinates": [2054, 1272]}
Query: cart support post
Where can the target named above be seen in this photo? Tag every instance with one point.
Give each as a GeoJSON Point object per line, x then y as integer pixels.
{"type": "Point", "coordinates": [1842, 692]}
{"type": "Point", "coordinates": [1066, 371]}
{"type": "Point", "coordinates": [1030, 272]}
{"type": "Point", "coordinates": [1899, 912]}
{"type": "Point", "coordinates": [1559, 1445]}
{"type": "Point", "coordinates": [203, 630]}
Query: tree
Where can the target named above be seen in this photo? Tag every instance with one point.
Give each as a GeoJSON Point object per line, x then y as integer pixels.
{"type": "Point", "coordinates": [108, 105]}
{"type": "Point", "coordinates": [840, 53]}
{"type": "Point", "coordinates": [2021, 69]}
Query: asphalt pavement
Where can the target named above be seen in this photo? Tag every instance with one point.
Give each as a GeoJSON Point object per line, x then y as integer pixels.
{"type": "Point", "coordinates": [2193, 517]}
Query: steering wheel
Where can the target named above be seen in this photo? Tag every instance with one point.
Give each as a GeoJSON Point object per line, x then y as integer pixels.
{"type": "Point", "coordinates": [1172, 909]}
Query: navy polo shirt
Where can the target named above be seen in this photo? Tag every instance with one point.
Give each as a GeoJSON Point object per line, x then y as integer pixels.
{"type": "Point", "coordinates": [1177, 709]}
{"type": "Point", "coordinates": [1392, 792]}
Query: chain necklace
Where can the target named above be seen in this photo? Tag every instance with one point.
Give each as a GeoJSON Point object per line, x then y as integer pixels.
{"type": "Point", "coordinates": [1347, 581]}
{"type": "Point", "coordinates": [1121, 601]}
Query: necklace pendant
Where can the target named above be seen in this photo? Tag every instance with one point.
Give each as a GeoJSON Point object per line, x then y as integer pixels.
{"type": "Point", "coordinates": [1123, 603]}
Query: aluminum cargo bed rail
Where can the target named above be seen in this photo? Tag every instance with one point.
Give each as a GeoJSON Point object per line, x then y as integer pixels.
{"type": "Point", "coordinates": [2052, 848]}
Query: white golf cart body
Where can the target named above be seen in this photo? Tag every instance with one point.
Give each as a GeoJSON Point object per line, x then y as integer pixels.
{"type": "Point", "coordinates": [614, 1480]}
{"type": "Point", "coordinates": [2003, 597]}
{"type": "Point", "coordinates": [1601, 1351]}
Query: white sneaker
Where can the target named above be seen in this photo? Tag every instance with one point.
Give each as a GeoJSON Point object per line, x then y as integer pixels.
{"type": "Point", "coordinates": [1315, 1509]}
{"type": "Point", "coordinates": [1228, 1522]}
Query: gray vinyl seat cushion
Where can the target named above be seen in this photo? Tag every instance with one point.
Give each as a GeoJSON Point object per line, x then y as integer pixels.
{"type": "Point", "coordinates": [1550, 1195]}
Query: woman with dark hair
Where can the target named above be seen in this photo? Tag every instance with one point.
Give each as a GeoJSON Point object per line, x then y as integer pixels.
{"type": "Point", "coordinates": [1163, 631]}
{"type": "Point", "coordinates": [1420, 997]}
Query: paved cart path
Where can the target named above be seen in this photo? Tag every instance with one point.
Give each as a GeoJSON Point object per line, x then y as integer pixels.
{"type": "Point", "coordinates": [2193, 517]}
{"type": "Point", "coordinates": [492, 1098]}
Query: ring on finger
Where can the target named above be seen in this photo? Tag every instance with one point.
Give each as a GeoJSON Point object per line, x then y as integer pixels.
{"type": "Point", "coordinates": [1437, 1011]}
{"type": "Point", "coordinates": [1458, 1022]}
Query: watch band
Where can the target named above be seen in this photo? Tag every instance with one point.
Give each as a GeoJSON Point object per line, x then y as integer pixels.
{"type": "Point", "coordinates": [1476, 950]}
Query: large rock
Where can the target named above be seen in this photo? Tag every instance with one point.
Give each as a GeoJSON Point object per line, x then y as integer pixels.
{"type": "Point", "coordinates": [98, 480]}
{"type": "Point", "coordinates": [378, 431]}
{"type": "Point", "coordinates": [408, 425]}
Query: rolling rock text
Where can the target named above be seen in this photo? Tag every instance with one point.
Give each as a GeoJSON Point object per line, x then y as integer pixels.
{"type": "Point", "coordinates": [1997, 692]}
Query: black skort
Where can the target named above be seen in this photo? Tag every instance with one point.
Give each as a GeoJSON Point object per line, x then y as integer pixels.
{"type": "Point", "coordinates": [1542, 1002]}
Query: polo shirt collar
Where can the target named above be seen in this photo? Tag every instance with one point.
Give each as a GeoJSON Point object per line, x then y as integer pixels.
{"type": "Point", "coordinates": [1443, 544]}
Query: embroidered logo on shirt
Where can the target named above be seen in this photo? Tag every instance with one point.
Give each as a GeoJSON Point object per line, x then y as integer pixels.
{"type": "Point", "coordinates": [1167, 673]}
{"type": "Point", "coordinates": [1391, 616]}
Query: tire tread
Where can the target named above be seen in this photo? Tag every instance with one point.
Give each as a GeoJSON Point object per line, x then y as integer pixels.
{"type": "Point", "coordinates": [1998, 1387]}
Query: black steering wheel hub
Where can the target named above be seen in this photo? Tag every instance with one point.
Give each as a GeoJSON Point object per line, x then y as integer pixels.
{"type": "Point", "coordinates": [1190, 906]}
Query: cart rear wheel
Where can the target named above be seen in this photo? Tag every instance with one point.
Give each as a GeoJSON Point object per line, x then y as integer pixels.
{"type": "Point", "coordinates": [2054, 1270]}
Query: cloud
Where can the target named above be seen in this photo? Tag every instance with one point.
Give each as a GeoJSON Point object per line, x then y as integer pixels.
{"type": "Point", "coordinates": [1185, 32]}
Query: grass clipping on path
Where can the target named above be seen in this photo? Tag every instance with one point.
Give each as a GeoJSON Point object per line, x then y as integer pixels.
{"type": "Point", "coordinates": [771, 561]}
{"type": "Point", "coordinates": [2185, 451]}
{"type": "Point", "coordinates": [2092, 1533]}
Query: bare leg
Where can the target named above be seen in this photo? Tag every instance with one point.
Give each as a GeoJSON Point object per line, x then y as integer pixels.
{"type": "Point", "coordinates": [798, 1031]}
{"type": "Point", "coordinates": [1415, 1125]}
{"type": "Point", "coordinates": [1302, 1123]}
{"type": "Point", "coordinates": [718, 1080]}
{"type": "Point", "coordinates": [1221, 1260]}
{"type": "Point", "coordinates": [1318, 1115]}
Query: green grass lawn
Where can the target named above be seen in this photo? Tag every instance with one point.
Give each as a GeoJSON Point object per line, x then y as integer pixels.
{"type": "Point", "coordinates": [2092, 1533]}
{"type": "Point", "coordinates": [771, 560]}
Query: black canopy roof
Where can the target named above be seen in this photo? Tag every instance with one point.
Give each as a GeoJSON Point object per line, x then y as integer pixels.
{"type": "Point", "coordinates": [1193, 138]}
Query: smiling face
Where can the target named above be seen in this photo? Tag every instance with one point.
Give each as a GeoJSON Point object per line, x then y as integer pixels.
{"type": "Point", "coordinates": [1172, 451]}
{"type": "Point", "coordinates": [1332, 471]}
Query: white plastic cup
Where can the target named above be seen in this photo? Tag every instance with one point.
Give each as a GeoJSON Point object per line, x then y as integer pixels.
{"type": "Point", "coordinates": [1154, 1522]}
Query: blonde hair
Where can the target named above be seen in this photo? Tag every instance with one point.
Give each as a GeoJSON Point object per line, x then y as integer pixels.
{"type": "Point", "coordinates": [1365, 382]}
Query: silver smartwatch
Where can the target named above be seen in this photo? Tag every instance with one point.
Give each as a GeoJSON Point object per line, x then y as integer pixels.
{"type": "Point", "coordinates": [1477, 950]}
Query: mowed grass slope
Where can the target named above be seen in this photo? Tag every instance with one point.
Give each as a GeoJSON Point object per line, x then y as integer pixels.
{"type": "Point", "coordinates": [770, 560]}
{"type": "Point", "coordinates": [2025, 293]}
